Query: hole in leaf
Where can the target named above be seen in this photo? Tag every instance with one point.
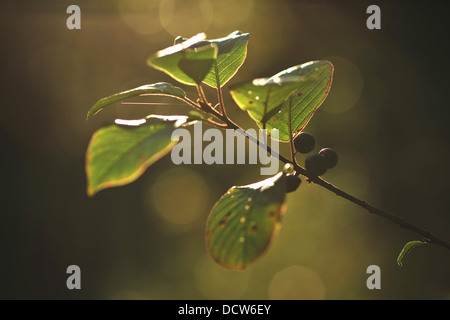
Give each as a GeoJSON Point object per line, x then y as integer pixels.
{"type": "Point", "coordinates": [253, 227]}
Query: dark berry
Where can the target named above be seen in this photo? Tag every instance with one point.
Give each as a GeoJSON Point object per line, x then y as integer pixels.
{"type": "Point", "coordinates": [292, 183]}
{"type": "Point", "coordinates": [330, 157]}
{"type": "Point", "coordinates": [316, 165]}
{"type": "Point", "coordinates": [304, 142]}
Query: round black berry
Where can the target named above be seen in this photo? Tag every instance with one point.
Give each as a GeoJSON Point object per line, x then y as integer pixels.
{"type": "Point", "coordinates": [330, 157]}
{"type": "Point", "coordinates": [316, 165]}
{"type": "Point", "coordinates": [304, 142]}
{"type": "Point", "coordinates": [292, 183]}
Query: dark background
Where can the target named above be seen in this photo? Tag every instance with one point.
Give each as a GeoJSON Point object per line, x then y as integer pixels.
{"type": "Point", "coordinates": [386, 115]}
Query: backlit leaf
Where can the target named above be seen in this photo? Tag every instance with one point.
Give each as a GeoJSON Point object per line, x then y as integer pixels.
{"type": "Point", "coordinates": [185, 62]}
{"type": "Point", "coordinates": [406, 249]}
{"type": "Point", "coordinates": [119, 154]}
{"type": "Point", "coordinates": [244, 222]}
{"type": "Point", "coordinates": [267, 100]}
{"type": "Point", "coordinates": [307, 98]}
{"type": "Point", "coordinates": [232, 51]}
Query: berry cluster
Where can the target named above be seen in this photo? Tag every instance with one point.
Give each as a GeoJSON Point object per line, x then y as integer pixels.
{"type": "Point", "coordinates": [316, 164]}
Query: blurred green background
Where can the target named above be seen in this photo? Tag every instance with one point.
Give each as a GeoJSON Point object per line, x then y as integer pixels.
{"type": "Point", "coordinates": [386, 115]}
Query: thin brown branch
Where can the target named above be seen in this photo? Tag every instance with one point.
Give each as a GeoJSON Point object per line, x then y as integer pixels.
{"type": "Point", "coordinates": [191, 103]}
{"type": "Point", "coordinates": [216, 124]}
{"type": "Point", "coordinates": [201, 93]}
{"type": "Point", "coordinates": [402, 222]}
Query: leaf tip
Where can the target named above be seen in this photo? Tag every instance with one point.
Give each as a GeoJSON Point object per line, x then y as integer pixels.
{"type": "Point", "coordinates": [90, 191]}
{"type": "Point", "coordinates": [94, 109]}
{"type": "Point", "coordinates": [406, 249]}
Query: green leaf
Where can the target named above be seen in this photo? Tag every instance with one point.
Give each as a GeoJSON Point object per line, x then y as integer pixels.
{"type": "Point", "coordinates": [231, 56]}
{"type": "Point", "coordinates": [197, 65]}
{"type": "Point", "coordinates": [244, 222]}
{"type": "Point", "coordinates": [232, 51]}
{"type": "Point", "coordinates": [119, 154]}
{"type": "Point", "coordinates": [308, 97]}
{"type": "Point", "coordinates": [406, 249]}
{"type": "Point", "coordinates": [266, 100]}
{"type": "Point", "coordinates": [261, 97]}
{"type": "Point", "coordinates": [184, 62]}
{"type": "Point", "coordinates": [161, 88]}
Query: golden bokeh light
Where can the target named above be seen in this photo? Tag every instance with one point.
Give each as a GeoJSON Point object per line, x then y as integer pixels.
{"type": "Point", "coordinates": [180, 195]}
{"type": "Point", "coordinates": [231, 13]}
{"type": "Point", "coordinates": [347, 86]}
{"type": "Point", "coordinates": [296, 283]}
{"type": "Point", "coordinates": [140, 15]}
{"type": "Point", "coordinates": [216, 282]}
{"type": "Point", "coordinates": [185, 17]}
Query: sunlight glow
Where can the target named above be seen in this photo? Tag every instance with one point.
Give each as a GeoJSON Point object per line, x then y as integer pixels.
{"type": "Point", "coordinates": [134, 123]}
{"type": "Point", "coordinates": [296, 283]}
{"type": "Point", "coordinates": [190, 190]}
{"type": "Point", "coordinates": [181, 46]}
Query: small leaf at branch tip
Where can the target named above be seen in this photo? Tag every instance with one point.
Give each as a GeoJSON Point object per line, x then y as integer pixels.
{"type": "Point", "coordinates": [187, 62]}
{"type": "Point", "coordinates": [406, 249]}
{"type": "Point", "coordinates": [229, 55]}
